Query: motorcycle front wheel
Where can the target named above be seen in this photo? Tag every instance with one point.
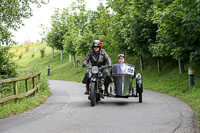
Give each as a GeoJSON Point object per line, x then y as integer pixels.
{"type": "Point", "coordinates": [92, 94]}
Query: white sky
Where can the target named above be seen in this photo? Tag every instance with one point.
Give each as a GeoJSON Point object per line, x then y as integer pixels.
{"type": "Point", "coordinates": [43, 15]}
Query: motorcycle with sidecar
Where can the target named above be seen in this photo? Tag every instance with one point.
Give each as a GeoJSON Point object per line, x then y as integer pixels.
{"type": "Point", "coordinates": [123, 75]}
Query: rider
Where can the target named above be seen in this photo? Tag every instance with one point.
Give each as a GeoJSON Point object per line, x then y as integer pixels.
{"type": "Point", "coordinates": [100, 58]}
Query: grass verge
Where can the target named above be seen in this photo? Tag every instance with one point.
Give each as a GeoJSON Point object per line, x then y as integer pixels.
{"type": "Point", "coordinates": [10, 108]}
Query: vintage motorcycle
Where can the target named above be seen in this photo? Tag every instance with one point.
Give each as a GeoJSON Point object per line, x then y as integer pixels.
{"type": "Point", "coordinates": [123, 75]}
{"type": "Point", "coordinates": [96, 84]}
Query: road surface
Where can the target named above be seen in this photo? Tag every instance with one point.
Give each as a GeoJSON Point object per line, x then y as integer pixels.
{"type": "Point", "coordinates": [67, 110]}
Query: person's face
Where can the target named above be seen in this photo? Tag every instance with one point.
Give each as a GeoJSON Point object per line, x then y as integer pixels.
{"type": "Point", "coordinates": [121, 60]}
{"type": "Point", "coordinates": [96, 49]}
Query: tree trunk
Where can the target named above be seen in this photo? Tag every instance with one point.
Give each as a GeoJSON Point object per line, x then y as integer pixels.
{"type": "Point", "coordinates": [74, 60]}
{"type": "Point", "coordinates": [181, 66]}
{"type": "Point", "coordinates": [52, 52]}
{"type": "Point", "coordinates": [70, 57]}
{"type": "Point", "coordinates": [141, 63]}
{"type": "Point", "coordinates": [61, 55]}
{"type": "Point", "coordinates": [159, 66]}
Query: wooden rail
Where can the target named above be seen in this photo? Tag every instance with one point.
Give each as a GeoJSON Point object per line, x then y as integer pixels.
{"type": "Point", "coordinates": [16, 96]}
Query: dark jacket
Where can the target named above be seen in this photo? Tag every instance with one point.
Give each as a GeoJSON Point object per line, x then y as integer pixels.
{"type": "Point", "coordinates": [99, 60]}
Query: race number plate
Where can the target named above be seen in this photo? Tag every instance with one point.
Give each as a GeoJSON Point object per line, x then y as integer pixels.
{"type": "Point", "coordinates": [130, 70]}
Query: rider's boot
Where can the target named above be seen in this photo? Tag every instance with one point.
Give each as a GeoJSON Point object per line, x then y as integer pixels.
{"type": "Point", "coordinates": [106, 89]}
{"type": "Point", "coordinates": [87, 88]}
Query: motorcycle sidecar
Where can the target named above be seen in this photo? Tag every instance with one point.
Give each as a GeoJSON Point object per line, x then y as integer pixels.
{"type": "Point", "coordinates": [123, 75]}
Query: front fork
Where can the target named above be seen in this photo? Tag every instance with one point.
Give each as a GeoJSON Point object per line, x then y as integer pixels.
{"type": "Point", "coordinates": [98, 87]}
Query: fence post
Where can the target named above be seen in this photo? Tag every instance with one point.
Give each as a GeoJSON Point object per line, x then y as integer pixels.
{"type": "Point", "coordinates": [26, 84]}
{"type": "Point", "coordinates": [38, 84]}
{"type": "Point", "coordinates": [15, 90]}
{"type": "Point", "coordinates": [33, 81]}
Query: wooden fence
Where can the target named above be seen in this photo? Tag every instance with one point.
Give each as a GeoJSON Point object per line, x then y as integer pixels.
{"type": "Point", "coordinates": [14, 81]}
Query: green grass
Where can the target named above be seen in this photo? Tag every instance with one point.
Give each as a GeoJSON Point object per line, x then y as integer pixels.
{"type": "Point", "coordinates": [11, 108]}
{"type": "Point", "coordinates": [171, 82]}
{"type": "Point", "coordinates": [168, 81]}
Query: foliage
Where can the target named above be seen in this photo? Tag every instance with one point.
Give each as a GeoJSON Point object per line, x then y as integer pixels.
{"type": "Point", "coordinates": [42, 52]}
{"type": "Point", "coordinates": [178, 34]}
{"type": "Point", "coordinates": [56, 35]}
{"type": "Point", "coordinates": [7, 67]}
{"type": "Point", "coordinates": [33, 55]}
{"type": "Point", "coordinates": [12, 12]}
{"type": "Point", "coordinates": [20, 56]}
{"type": "Point", "coordinates": [149, 28]}
{"type": "Point", "coordinates": [133, 25]}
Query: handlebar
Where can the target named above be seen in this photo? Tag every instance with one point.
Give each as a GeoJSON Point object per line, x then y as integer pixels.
{"type": "Point", "coordinates": [102, 67]}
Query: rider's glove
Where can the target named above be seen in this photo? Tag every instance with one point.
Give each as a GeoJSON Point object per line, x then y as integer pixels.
{"type": "Point", "coordinates": [89, 67]}
{"type": "Point", "coordinates": [85, 65]}
{"type": "Point", "coordinates": [102, 68]}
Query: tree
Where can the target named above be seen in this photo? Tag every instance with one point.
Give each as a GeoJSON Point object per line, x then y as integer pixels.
{"type": "Point", "coordinates": [178, 34]}
{"type": "Point", "coordinates": [135, 27]}
{"type": "Point", "coordinates": [56, 35]}
{"type": "Point", "coordinates": [12, 13]}
{"type": "Point", "coordinates": [76, 20]}
{"type": "Point", "coordinates": [89, 34]}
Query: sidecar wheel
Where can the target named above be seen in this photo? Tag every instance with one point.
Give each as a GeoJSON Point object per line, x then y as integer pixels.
{"type": "Point", "coordinates": [92, 94]}
{"type": "Point", "coordinates": [140, 97]}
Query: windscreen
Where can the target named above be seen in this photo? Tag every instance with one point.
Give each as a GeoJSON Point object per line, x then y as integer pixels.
{"type": "Point", "coordinates": [123, 69]}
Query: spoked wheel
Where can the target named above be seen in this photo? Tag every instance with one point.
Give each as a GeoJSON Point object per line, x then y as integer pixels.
{"type": "Point", "coordinates": [92, 94]}
{"type": "Point", "coordinates": [140, 97]}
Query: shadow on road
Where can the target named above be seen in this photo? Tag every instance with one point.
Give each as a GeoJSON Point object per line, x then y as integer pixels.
{"type": "Point", "coordinates": [114, 102]}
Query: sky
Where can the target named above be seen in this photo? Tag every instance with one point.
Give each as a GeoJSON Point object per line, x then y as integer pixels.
{"type": "Point", "coordinates": [31, 30]}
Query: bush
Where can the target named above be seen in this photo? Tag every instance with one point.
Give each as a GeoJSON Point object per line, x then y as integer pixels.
{"type": "Point", "coordinates": [7, 67]}
{"type": "Point", "coordinates": [33, 55]}
{"type": "Point", "coordinates": [27, 48]}
{"type": "Point", "coordinates": [20, 56]}
{"type": "Point", "coordinates": [42, 51]}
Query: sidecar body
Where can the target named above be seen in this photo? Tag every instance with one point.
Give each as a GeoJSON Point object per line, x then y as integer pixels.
{"type": "Point", "coordinates": [123, 75]}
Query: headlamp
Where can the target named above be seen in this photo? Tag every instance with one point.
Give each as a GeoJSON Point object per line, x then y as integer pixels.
{"type": "Point", "coordinates": [95, 69]}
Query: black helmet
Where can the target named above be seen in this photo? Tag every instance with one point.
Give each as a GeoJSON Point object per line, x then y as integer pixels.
{"type": "Point", "coordinates": [97, 43]}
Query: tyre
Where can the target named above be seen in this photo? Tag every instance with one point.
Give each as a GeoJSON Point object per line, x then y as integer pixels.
{"type": "Point", "coordinates": [132, 90]}
{"type": "Point", "coordinates": [92, 94]}
{"type": "Point", "coordinates": [140, 97]}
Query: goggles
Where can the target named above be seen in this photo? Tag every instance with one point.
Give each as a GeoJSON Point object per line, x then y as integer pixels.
{"type": "Point", "coordinates": [121, 55]}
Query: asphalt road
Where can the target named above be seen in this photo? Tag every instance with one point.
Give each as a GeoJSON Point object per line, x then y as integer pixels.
{"type": "Point", "coordinates": [67, 110]}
